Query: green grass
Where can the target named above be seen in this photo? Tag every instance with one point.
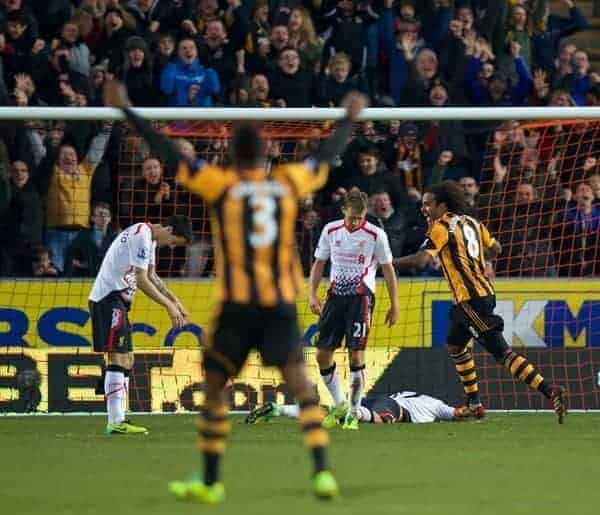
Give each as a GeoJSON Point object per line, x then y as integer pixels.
{"type": "Point", "coordinates": [510, 464]}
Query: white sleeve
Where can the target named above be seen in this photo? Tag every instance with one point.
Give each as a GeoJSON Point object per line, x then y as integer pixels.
{"type": "Point", "coordinates": [141, 249]}
{"type": "Point", "coordinates": [323, 250]}
{"type": "Point", "coordinates": [383, 253]}
{"type": "Point", "coordinates": [153, 254]}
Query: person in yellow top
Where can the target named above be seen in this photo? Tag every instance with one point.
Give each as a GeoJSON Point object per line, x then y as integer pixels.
{"type": "Point", "coordinates": [461, 242]}
{"type": "Point", "coordinates": [67, 182]}
{"type": "Point", "coordinates": [253, 220]}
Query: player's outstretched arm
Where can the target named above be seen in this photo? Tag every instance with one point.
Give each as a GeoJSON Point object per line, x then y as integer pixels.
{"type": "Point", "coordinates": [354, 102]}
{"type": "Point", "coordinates": [418, 260]}
{"type": "Point", "coordinates": [115, 95]}
{"type": "Point", "coordinates": [389, 274]}
{"type": "Point", "coordinates": [148, 287]}
{"type": "Point", "coordinates": [162, 288]}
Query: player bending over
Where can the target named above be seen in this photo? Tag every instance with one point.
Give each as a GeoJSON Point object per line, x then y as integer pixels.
{"type": "Point", "coordinates": [399, 407]}
{"type": "Point", "coordinates": [460, 242]}
{"type": "Point", "coordinates": [129, 264]}
{"type": "Point", "coordinates": [355, 248]}
{"type": "Point", "coordinates": [253, 219]}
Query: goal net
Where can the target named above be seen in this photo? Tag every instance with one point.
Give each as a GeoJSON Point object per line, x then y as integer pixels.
{"type": "Point", "coordinates": [538, 192]}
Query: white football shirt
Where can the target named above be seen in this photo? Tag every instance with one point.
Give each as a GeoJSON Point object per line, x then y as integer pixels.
{"type": "Point", "coordinates": [133, 248]}
{"type": "Point", "coordinates": [354, 255]}
{"type": "Point", "coordinates": [423, 408]}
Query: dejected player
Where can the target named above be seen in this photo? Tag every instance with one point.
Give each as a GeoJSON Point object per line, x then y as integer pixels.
{"type": "Point", "coordinates": [355, 248]}
{"type": "Point", "coordinates": [460, 242]}
{"type": "Point", "coordinates": [401, 407]}
{"type": "Point", "coordinates": [253, 218]}
{"type": "Point", "coordinates": [129, 264]}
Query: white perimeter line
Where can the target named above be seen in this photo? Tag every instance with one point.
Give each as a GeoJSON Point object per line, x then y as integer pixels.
{"type": "Point", "coordinates": [245, 412]}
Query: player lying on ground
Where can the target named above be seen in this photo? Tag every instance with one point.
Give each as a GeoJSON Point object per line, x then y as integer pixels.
{"type": "Point", "coordinates": [460, 242]}
{"type": "Point", "coordinates": [129, 264]}
{"type": "Point", "coordinates": [355, 248]}
{"type": "Point", "coordinates": [253, 220]}
{"type": "Point", "coordinates": [399, 407]}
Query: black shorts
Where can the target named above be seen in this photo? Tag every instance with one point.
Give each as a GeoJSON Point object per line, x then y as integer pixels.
{"type": "Point", "coordinates": [346, 316]}
{"type": "Point", "coordinates": [111, 330]}
{"type": "Point", "coordinates": [239, 328]}
{"type": "Point", "coordinates": [473, 319]}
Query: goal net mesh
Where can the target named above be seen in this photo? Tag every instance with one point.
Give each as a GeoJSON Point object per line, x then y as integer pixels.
{"type": "Point", "coordinates": [536, 185]}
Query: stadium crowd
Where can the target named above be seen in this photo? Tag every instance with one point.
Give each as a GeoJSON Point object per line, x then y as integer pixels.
{"type": "Point", "coordinates": [66, 187]}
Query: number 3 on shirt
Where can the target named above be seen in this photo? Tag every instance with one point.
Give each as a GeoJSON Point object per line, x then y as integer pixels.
{"type": "Point", "coordinates": [263, 221]}
{"type": "Point", "coordinates": [472, 241]}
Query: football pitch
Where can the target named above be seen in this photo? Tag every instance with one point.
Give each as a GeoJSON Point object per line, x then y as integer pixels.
{"type": "Point", "coordinates": [508, 464]}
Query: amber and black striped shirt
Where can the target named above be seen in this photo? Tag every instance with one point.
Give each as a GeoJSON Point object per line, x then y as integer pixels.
{"type": "Point", "coordinates": [253, 220]}
{"type": "Point", "coordinates": [460, 241]}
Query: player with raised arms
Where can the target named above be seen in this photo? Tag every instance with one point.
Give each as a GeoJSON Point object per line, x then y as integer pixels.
{"type": "Point", "coordinates": [355, 248]}
{"type": "Point", "coordinates": [401, 407]}
{"type": "Point", "coordinates": [129, 264]}
{"type": "Point", "coordinates": [460, 242]}
{"type": "Point", "coordinates": [253, 219]}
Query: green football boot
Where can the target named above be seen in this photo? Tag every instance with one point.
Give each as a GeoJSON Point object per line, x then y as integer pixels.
{"type": "Point", "coordinates": [350, 422]}
{"type": "Point", "coordinates": [325, 486]}
{"type": "Point", "coordinates": [195, 490]}
{"type": "Point", "coordinates": [334, 415]}
{"type": "Point", "coordinates": [125, 428]}
{"type": "Point", "coordinates": [263, 413]}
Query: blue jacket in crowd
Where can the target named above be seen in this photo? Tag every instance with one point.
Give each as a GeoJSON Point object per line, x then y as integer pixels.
{"type": "Point", "coordinates": [478, 94]}
{"type": "Point", "coordinates": [177, 78]}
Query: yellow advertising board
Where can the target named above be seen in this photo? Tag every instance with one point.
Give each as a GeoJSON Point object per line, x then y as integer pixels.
{"type": "Point", "coordinates": [49, 313]}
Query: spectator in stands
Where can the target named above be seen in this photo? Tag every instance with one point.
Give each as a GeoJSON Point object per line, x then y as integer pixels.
{"type": "Point", "coordinates": [393, 221]}
{"type": "Point", "coordinates": [498, 91]}
{"type": "Point", "coordinates": [578, 82]}
{"type": "Point", "coordinates": [308, 231]}
{"type": "Point", "coordinates": [373, 176]}
{"type": "Point", "coordinates": [563, 64]}
{"type": "Point", "coordinates": [349, 32]}
{"type": "Point", "coordinates": [594, 182]}
{"type": "Point", "coordinates": [522, 228]}
{"type": "Point", "coordinates": [25, 92]}
{"type": "Point", "coordinates": [79, 59]}
{"type": "Point", "coordinates": [412, 69]}
{"type": "Point", "coordinates": [259, 94]}
{"type": "Point", "coordinates": [471, 189]}
{"type": "Point", "coordinates": [23, 51]}
{"type": "Point", "coordinates": [42, 264]}
{"type": "Point", "coordinates": [186, 82]}
{"type": "Point", "coordinates": [407, 163]}
{"type": "Point", "coordinates": [333, 86]}
{"type": "Point", "coordinates": [162, 57]}
{"type": "Point", "coordinates": [291, 86]}
{"type": "Point", "coordinates": [279, 39]}
{"type": "Point", "coordinates": [87, 250]}
{"type": "Point", "coordinates": [21, 221]}
{"type": "Point", "coordinates": [578, 237]}
{"type": "Point", "coordinates": [217, 52]}
{"type": "Point", "coordinates": [58, 84]}
{"type": "Point", "coordinates": [546, 41]}
{"type": "Point", "coordinates": [150, 16]}
{"type": "Point", "coordinates": [136, 72]}
{"type": "Point", "coordinates": [119, 26]}
{"type": "Point", "coordinates": [147, 198]}
{"type": "Point", "coordinates": [303, 37]}
{"type": "Point", "coordinates": [65, 183]}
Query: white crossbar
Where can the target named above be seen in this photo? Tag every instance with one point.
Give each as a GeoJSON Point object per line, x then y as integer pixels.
{"type": "Point", "coordinates": [303, 114]}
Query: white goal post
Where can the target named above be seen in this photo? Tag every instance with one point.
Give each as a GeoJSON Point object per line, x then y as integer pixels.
{"type": "Point", "coordinates": [303, 114]}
